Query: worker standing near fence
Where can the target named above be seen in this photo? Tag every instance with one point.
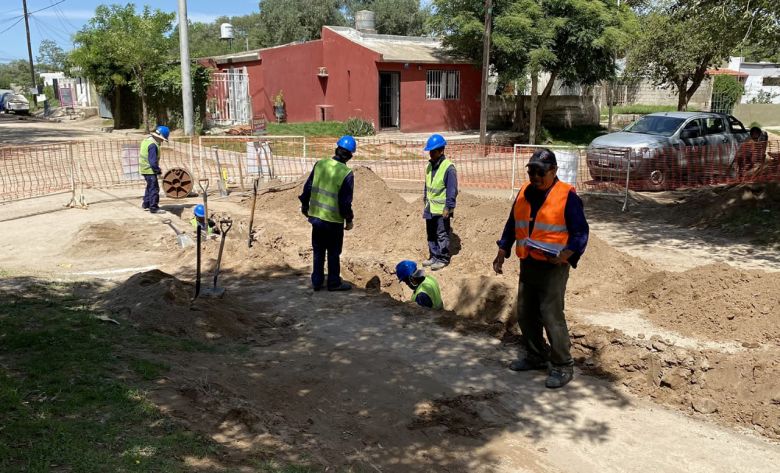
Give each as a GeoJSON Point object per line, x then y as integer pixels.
{"type": "Point", "coordinates": [547, 221]}
{"type": "Point", "coordinates": [149, 167]}
{"type": "Point", "coordinates": [439, 195]}
{"type": "Point", "coordinates": [327, 202]}
{"type": "Point", "coordinates": [426, 291]}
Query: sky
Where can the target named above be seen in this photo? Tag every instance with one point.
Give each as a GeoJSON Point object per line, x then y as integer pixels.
{"type": "Point", "coordinates": [59, 22]}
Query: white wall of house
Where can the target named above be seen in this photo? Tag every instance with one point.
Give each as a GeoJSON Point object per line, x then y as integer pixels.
{"type": "Point", "coordinates": [762, 77]}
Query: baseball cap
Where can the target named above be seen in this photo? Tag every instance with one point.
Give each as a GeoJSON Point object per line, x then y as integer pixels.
{"type": "Point", "coordinates": [543, 158]}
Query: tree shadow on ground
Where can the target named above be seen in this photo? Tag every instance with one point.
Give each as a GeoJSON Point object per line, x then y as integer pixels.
{"type": "Point", "coordinates": [364, 383]}
{"type": "Point", "coordinates": [733, 233]}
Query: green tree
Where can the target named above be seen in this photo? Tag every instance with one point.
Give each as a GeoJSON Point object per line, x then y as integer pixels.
{"type": "Point", "coordinates": [396, 17]}
{"type": "Point", "coordinates": [119, 46]}
{"type": "Point", "coordinates": [679, 42]}
{"type": "Point", "coordinates": [285, 21]}
{"type": "Point", "coordinates": [16, 73]}
{"type": "Point", "coordinates": [51, 56]}
{"type": "Point", "coordinates": [575, 41]}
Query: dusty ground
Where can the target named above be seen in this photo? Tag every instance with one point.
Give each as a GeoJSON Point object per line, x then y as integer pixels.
{"type": "Point", "coordinates": [672, 349]}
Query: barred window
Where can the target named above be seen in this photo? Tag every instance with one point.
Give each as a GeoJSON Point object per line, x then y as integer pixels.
{"type": "Point", "coordinates": [442, 85]}
{"type": "Point", "coordinates": [771, 81]}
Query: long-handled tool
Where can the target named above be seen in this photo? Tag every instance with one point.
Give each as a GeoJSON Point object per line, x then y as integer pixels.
{"type": "Point", "coordinates": [182, 238]}
{"type": "Point", "coordinates": [224, 226]}
{"type": "Point", "coordinates": [197, 268]}
{"type": "Point", "coordinates": [252, 215]}
{"type": "Point", "coordinates": [205, 191]}
{"type": "Point", "coordinates": [221, 182]}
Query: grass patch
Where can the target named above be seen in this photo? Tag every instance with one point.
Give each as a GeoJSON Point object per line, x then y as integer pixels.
{"type": "Point", "coordinates": [577, 136]}
{"type": "Point", "coordinates": [334, 129]}
{"type": "Point", "coordinates": [73, 400]}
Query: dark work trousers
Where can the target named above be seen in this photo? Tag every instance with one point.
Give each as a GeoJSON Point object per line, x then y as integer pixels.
{"type": "Point", "coordinates": [152, 193]}
{"type": "Point", "coordinates": [540, 301]}
{"type": "Point", "coordinates": [438, 230]}
{"type": "Point", "coordinates": [326, 237]}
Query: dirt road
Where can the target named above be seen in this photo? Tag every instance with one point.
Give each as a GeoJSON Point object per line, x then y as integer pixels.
{"type": "Point", "coordinates": [360, 380]}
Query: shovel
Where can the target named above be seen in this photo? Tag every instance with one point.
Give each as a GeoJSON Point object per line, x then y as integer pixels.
{"type": "Point", "coordinates": [182, 238]}
{"type": "Point", "coordinates": [252, 216]}
{"type": "Point", "coordinates": [216, 291]}
{"type": "Point", "coordinates": [221, 183]}
{"type": "Point", "coordinates": [197, 271]}
{"type": "Point", "coordinates": [205, 191]}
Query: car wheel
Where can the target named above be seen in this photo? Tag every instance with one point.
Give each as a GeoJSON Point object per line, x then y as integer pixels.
{"type": "Point", "coordinates": [661, 176]}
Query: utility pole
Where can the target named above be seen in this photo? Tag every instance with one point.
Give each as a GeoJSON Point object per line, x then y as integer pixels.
{"type": "Point", "coordinates": [186, 77]}
{"type": "Point", "coordinates": [483, 112]}
{"type": "Point", "coordinates": [29, 46]}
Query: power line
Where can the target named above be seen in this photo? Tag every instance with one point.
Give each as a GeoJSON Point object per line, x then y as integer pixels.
{"type": "Point", "coordinates": [15, 23]}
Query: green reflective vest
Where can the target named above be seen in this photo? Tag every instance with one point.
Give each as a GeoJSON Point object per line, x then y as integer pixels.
{"type": "Point", "coordinates": [429, 287]}
{"type": "Point", "coordinates": [329, 175]}
{"type": "Point", "coordinates": [196, 225]}
{"type": "Point", "coordinates": [435, 191]}
{"type": "Point", "coordinates": [143, 161]}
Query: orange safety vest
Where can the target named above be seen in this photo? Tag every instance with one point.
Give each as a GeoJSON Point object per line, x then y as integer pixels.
{"type": "Point", "coordinates": [550, 233]}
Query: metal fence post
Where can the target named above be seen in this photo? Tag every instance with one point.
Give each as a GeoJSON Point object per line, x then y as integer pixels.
{"type": "Point", "coordinates": [628, 176]}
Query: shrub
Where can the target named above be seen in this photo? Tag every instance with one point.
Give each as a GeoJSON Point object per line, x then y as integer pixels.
{"type": "Point", "coordinates": [726, 92]}
{"type": "Point", "coordinates": [359, 127]}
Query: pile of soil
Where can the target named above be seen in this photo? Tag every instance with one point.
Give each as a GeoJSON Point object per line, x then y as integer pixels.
{"type": "Point", "coordinates": [741, 388]}
{"type": "Point", "coordinates": [160, 302]}
{"type": "Point", "coordinates": [713, 206]}
{"type": "Point", "coordinates": [715, 301]}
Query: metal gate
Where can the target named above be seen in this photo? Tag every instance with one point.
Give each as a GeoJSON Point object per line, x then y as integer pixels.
{"type": "Point", "coordinates": [228, 101]}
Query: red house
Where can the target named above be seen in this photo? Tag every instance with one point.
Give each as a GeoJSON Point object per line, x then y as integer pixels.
{"type": "Point", "coordinates": [404, 83]}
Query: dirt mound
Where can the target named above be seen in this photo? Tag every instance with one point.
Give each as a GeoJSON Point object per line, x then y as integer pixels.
{"type": "Point", "coordinates": [737, 388]}
{"type": "Point", "coordinates": [157, 301]}
{"type": "Point", "coordinates": [716, 302]}
{"type": "Point", "coordinates": [714, 205]}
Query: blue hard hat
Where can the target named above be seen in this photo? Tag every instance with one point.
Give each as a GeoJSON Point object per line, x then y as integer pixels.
{"type": "Point", "coordinates": [405, 268]}
{"type": "Point", "coordinates": [162, 131]}
{"type": "Point", "coordinates": [435, 142]}
{"type": "Point", "coordinates": [199, 210]}
{"type": "Point", "coordinates": [348, 143]}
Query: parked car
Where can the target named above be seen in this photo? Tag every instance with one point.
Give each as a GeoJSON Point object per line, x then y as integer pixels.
{"type": "Point", "coordinates": [662, 150]}
{"type": "Point", "coordinates": [14, 103]}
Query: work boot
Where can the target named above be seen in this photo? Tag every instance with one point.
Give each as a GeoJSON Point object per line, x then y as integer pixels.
{"type": "Point", "coordinates": [438, 265]}
{"type": "Point", "coordinates": [428, 262]}
{"type": "Point", "coordinates": [157, 211]}
{"type": "Point", "coordinates": [559, 376]}
{"type": "Point", "coordinates": [343, 287]}
{"type": "Point", "coordinates": [528, 364]}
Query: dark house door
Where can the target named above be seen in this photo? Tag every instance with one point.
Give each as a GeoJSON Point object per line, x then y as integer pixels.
{"type": "Point", "coordinates": [389, 99]}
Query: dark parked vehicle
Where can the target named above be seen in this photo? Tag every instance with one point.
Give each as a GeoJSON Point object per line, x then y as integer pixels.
{"type": "Point", "coordinates": [661, 150]}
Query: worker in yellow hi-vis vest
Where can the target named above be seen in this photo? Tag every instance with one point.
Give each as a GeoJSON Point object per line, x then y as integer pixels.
{"type": "Point", "coordinates": [149, 167]}
{"type": "Point", "coordinates": [426, 289]}
{"type": "Point", "coordinates": [327, 202]}
{"type": "Point", "coordinates": [439, 195]}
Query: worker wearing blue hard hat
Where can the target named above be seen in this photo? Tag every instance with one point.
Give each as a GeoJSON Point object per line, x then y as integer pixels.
{"type": "Point", "coordinates": [327, 202]}
{"type": "Point", "coordinates": [426, 289]}
{"type": "Point", "coordinates": [149, 167]}
{"type": "Point", "coordinates": [439, 195]}
{"type": "Point", "coordinates": [198, 221]}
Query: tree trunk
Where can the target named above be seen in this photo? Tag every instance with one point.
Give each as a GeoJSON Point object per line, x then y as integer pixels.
{"type": "Point", "coordinates": [682, 100]}
{"type": "Point", "coordinates": [519, 118]}
{"type": "Point", "coordinates": [534, 98]}
{"type": "Point", "coordinates": [543, 99]}
{"type": "Point", "coordinates": [144, 105]}
{"type": "Point", "coordinates": [698, 76]}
